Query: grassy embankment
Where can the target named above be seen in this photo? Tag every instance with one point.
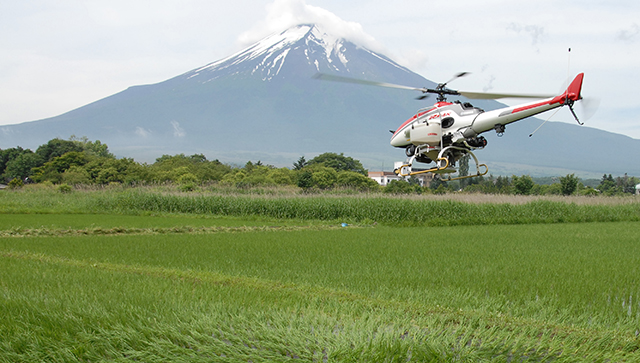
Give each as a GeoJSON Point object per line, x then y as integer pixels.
{"type": "Point", "coordinates": [154, 290]}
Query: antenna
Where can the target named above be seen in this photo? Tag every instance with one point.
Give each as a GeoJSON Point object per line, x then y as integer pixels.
{"type": "Point", "coordinates": [569, 65]}
{"type": "Point", "coordinates": [566, 85]}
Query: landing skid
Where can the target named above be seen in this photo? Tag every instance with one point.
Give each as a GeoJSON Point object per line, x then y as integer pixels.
{"type": "Point", "coordinates": [442, 166]}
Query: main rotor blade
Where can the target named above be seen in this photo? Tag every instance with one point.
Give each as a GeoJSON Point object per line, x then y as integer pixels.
{"type": "Point", "coordinates": [493, 96]}
{"type": "Point", "coordinates": [330, 77]}
{"type": "Point", "coordinates": [456, 76]}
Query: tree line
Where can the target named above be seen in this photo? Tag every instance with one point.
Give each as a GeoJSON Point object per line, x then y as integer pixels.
{"type": "Point", "coordinates": [79, 161]}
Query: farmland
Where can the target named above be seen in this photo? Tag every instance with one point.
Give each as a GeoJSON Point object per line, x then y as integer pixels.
{"type": "Point", "coordinates": [123, 275]}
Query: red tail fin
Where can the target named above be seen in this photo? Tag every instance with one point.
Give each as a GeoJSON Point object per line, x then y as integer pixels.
{"type": "Point", "coordinates": [573, 91]}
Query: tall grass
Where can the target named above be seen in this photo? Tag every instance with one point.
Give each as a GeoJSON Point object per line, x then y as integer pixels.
{"type": "Point", "coordinates": [434, 211]}
{"type": "Point", "coordinates": [372, 209]}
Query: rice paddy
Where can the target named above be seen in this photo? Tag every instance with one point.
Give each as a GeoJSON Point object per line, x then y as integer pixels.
{"type": "Point", "coordinates": [227, 278]}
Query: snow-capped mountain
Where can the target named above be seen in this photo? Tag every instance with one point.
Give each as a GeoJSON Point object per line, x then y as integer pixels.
{"type": "Point", "coordinates": [262, 103]}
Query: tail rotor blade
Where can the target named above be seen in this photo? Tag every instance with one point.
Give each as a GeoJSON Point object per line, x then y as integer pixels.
{"type": "Point", "coordinates": [588, 106]}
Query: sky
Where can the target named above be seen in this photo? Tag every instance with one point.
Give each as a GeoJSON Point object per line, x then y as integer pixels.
{"type": "Point", "coordinates": [56, 56]}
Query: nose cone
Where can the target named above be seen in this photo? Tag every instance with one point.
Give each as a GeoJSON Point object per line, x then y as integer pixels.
{"type": "Point", "coordinates": [398, 140]}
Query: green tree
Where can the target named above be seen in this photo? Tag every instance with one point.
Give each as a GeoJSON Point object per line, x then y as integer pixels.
{"type": "Point", "coordinates": [21, 167]}
{"type": "Point", "coordinates": [607, 184]}
{"type": "Point", "coordinates": [57, 147]}
{"type": "Point", "coordinates": [568, 184]}
{"type": "Point", "coordinates": [437, 182]}
{"type": "Point", "coordinates": [627, 184]}
{"type": "Point", "coordinates": [7, 155]}
{"type": "Point", "coordinates": [108, 170]}
{"type": "Point", "coordinates": [503, 185]}
{"type": "Point", "coordinates": [305, 179]}
{"type": "Point", "coordinates": [164, 168]}
{"type": "Point", "coordinates": [301, 163]}
{"type": "Point", "coordinates": [109, 175]}
{"type": "Point", "coordinates": [523, 184]}
{"type": "Point", "coordinates": [53, 169]}
{"type": "Point", "coordinates": [338, 163]}
{"type": "Point", "coordinates": [75, 175]}
{"type": "Point", "coordinates": [93, 148]}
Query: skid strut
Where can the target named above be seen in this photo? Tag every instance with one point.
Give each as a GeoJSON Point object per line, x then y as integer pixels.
{"type": "Point", "coordinates": [442, 166]}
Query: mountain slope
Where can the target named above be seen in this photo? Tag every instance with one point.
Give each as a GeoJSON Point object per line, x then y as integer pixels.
{"type": "Point", "coordinates": [262, 104]}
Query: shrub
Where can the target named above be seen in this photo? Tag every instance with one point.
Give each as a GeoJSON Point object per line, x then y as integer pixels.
{"type": "Point", "coordinates": [16, 183]}
{"type": "Point", "coordinates": [325, 178]}
{"type": "Point", "coordinates": [355, 180]}
{"type": "Point", "coordinates": [187, 187]}
{"type": "Point", "coordinates": [401, 187]}
{"type": "Point", "coordinates": [187, 178]}
{"type": "Point", "coordinates": [64, 188]}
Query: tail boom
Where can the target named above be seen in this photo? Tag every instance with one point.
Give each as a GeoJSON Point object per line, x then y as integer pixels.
{"type": "Point", "coordinates": [489, 120]}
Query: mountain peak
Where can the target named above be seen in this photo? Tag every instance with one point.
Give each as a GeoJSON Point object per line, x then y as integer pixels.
{"type": "Point", "coordinates": [322, 52]}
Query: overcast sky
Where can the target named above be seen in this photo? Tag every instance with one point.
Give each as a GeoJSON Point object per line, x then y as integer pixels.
{"type": "Point", "coordinates": [56, 56]}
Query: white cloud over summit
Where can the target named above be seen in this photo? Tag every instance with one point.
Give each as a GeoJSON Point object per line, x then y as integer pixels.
{"type": "Point", "coordinates": [283, 14]}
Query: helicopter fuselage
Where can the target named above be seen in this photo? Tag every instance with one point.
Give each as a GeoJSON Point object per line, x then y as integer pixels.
{"type": "Point", "coordinates": [459, 124]}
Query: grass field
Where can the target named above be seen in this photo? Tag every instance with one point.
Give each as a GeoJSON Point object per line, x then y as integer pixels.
{"type": "Point", "coordinates": [149, 284]}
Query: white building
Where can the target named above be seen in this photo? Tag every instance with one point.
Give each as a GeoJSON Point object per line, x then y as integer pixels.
{"type": "Point", "coordinates": [384, 177]}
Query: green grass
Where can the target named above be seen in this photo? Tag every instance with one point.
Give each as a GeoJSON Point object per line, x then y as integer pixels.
{"type": "Point", "coordinates": [151, 276]}
{"type": "Point", "coordinates": [474, 292]}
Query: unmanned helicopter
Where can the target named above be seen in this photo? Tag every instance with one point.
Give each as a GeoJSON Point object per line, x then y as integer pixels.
{"type": "Point", "coordinates": [447, 131]}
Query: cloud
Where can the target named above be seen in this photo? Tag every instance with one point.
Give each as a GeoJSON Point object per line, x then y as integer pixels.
{"type": "Point", "coordinates": [489, 86]}
{"type": "Point", "coordinates": [177, 130]}
{"type": "Point", "coordinates": [534, 31]}
{"type": "Point", "coordinates": [142, 132]}
{"type": "Point", "coordinates": [283, 14]}
{"type": "Point", "coordinates": [629, 35]}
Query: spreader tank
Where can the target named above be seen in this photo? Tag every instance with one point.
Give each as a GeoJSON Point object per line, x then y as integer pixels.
{"type": "Point", "coordinates": [426, 133]}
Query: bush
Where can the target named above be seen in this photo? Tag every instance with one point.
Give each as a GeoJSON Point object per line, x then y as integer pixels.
{"type": "Point", "coordinates": [64, 188]}
{"type": "Point", "coordinates": [324, 178]}
{"type": "Point", "coordinates": [401, 187]}
{"type": "Point", "coordinates": [187, 178]}
{"type": "Point", "coordinates": [187, 187]}
{"type": "Point", "coordinates": [16, 183]}
{"type": "Point", "coordinates": [355, 180]}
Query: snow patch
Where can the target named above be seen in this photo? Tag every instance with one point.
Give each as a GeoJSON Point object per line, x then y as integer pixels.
{"type": "Point", "coordinates": [267, 46]}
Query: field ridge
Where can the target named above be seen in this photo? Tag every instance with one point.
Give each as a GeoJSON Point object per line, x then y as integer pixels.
{"type": "Point", "coordinates": [99, 231]}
